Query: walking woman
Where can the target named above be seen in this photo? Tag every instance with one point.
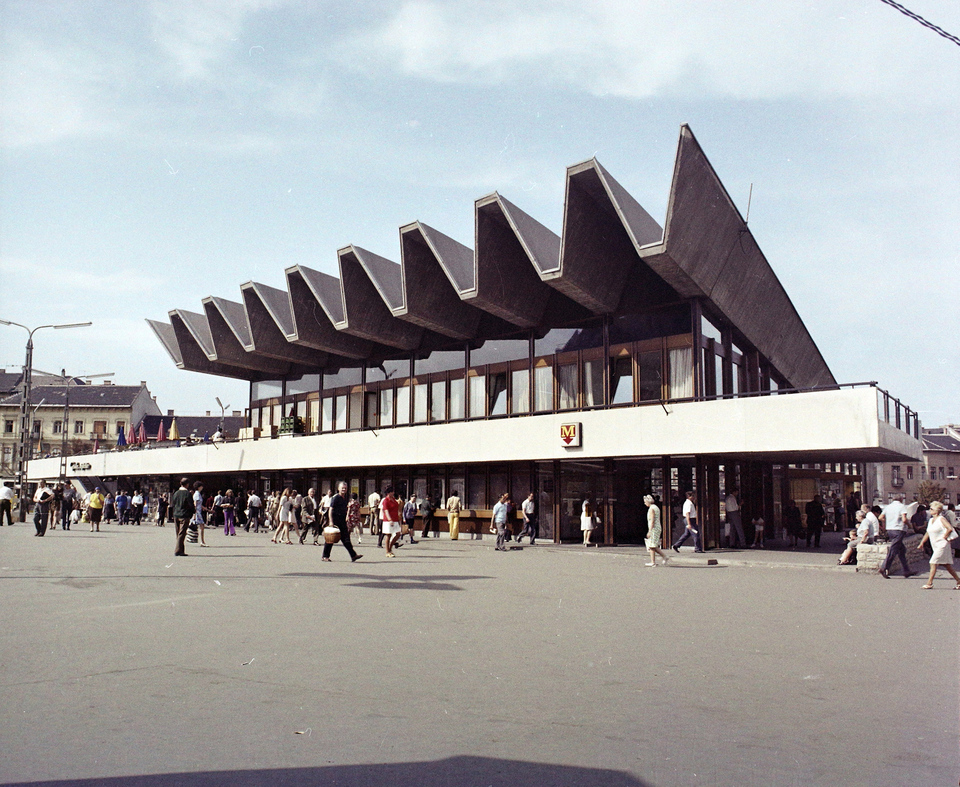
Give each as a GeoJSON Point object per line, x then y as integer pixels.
{"type": "Point", "coordinates": [229, 513]}
{"type": "Point", "coordinates": [199, 512]}
{"type": "Point", "coordinates": [654, 531]}
{"type": "Point", "coordinates": [354, 522]}
{"type": "Point", "coordinates": [282, 536]}
{"type": "Point", "coordinates": [939, 532]}
{"type": "Point", "coordinates": [390, 520]}
{"type": "Point", "coordinates": [588, 521]}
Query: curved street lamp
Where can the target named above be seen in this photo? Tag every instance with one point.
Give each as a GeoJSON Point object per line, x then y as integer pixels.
{"type": "Point", "coordinates": [27, 382]}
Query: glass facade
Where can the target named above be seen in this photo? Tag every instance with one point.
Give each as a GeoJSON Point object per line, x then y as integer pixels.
{"type": "Point", "coordinates": [619, 360]}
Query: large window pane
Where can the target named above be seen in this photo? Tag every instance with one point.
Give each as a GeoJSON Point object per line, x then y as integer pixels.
{"type": "Point", "coordinates": [326, 423]}
{"type": "Point", "coordinates": [477, 396]}
{"type": "Point", "coordinates": [403, 405]}
{"type": "Point", "coordinates": [477, 495]}
{"type": "Point", "coordinates": [386, 407]}
{"type": "Point", "coordinates": [593, 383]}
{"type": "Point", "coordinates": [543, 388]}
{"type": "Point", "coordinates": [420, 403]}
{"type": "Point", "coordinates": [356, 410]}
{"type": "Point", "coordinates": [718, 374]}
{"type": "Point", "coordinates": [498, 393]}
{"type": "Point", "coordinates": [370, 416]}
{"type": "Point", "coordinates": [650, 376]}
{"type": "Point", "coordinates": [438, 401]}
{"type": "Point", "coordinates": [266, 389]}
{"type": "Point", "coordinates": [457, 399]}
{"type": "Point", "coordinates": [681, 373]}
{"type": "Point", "coordinates": [621, 380]}
{"type": "Point", "coordinates": [340, 413]}
{"type": "Point", "coordinates": [340, 378]}
{"type": "Point", "coordinates": [306, 384]}
{"type": "Point", "coordinates": [446, 361]}
{"type": "Point", "coordinates": [500, 350]}
{"type": "Point", "coordinates": [561, 340]}
{"type": "Point", "coordinates": [520, 393]}
{"type": "Point", "coordinates": [568, 383]}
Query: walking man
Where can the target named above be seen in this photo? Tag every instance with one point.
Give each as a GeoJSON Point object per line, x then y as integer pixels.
{"type": "Point", "coordinates": [66, 505]}
{"type": "Point", "coordinates": [43, 498]}
{"type": "Point", "coordinates": [894, 516]}
{"type": "Point", "coordinates": [427, 510]}
{"type": "Point", "coordinates": [182, 506]}
{"type": "Point", "coordinates": [454, 507]}
{"type": "Point", "coordinates": [530, 526]}
{"type": "Point", "coordinates": [254, 504]}
{"type": "Point", "coordinates": [338, 517]}
{"type": "Point", "coordinates": [500, 513]}
{"type": "Point", "coordinates": [6, 503]}
{"type": "Point", "coordinates": [310, 516]}
{"type": "Point", "coordinates": [373, 518]}
{"type": "Point", "coordinates": [732, 504]}
{"type": "Point", "coordinates": [690, 525]}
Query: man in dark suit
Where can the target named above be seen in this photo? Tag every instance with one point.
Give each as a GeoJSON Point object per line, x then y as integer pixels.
{"type": "Point", "coordinates": [181, 505]}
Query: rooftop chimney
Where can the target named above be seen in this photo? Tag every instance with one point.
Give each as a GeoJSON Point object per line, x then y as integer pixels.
{"type": "Point", "coordinates": [170, 412]}
{"type": "Point", "coordinates": [208, 413]}
{"type": "Point", "coordinates": [237, 413]}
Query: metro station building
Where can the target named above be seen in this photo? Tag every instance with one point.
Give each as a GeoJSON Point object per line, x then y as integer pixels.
{"type": "Point", "coordinates": [617, 359]}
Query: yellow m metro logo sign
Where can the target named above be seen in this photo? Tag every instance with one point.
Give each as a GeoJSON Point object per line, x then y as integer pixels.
{"type": "Point", "coordinates": [570, 435]}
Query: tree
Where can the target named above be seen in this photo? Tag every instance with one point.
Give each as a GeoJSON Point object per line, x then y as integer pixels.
{"type": "Point", "coordinates": [928, 491]}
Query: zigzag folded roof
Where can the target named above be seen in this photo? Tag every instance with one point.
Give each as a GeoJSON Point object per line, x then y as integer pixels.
{"type": "Point", "coordinates": [612, 257]}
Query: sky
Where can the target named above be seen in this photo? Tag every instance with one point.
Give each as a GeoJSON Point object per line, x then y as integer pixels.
{"type": "Point", "coordinates": [155, 153]}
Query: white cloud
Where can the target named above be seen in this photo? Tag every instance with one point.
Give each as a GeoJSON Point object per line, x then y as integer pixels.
{"type": "Point", "coordinates": [743, 50]}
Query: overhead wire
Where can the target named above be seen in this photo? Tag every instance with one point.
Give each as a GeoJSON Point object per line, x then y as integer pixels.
{"type": "Point", "coordinates": [917, 18]}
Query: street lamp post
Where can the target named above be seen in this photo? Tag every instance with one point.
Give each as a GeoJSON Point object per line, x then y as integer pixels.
{"type": "Point", "coordinates": [66, 418]}
{"type": "Point", "coordinates": [24, 436]}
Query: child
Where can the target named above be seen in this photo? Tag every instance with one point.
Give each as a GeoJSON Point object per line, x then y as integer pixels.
{"type": "Point", "coordinates": [758, 525]}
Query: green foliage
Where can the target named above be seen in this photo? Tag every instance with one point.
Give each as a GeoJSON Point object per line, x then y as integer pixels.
{"type": "Point", "coordinates": [928, 491]}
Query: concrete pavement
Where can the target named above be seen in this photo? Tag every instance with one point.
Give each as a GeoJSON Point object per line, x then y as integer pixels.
{"type": "Point", "coordinates": [453, 664]}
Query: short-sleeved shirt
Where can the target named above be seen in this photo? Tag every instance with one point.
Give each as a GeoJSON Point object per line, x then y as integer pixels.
{"type": "Point", "coordinates": [689, 509]}
{"type": "Point", "coordinates": [500, 511]}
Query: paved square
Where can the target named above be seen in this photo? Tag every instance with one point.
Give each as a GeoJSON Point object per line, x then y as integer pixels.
{"type": "Point", "coordinates": [251, 663]}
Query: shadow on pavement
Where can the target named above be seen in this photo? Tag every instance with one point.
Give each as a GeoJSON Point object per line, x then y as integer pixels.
{"type": "Point", "coordinates": [452, 772]}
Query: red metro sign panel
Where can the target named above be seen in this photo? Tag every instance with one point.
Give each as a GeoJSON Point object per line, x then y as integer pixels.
{"type": "Point", "coordinates": [570, 435]}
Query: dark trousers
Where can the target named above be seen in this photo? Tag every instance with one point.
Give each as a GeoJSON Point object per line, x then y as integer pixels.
{"type": "Point", "coordinates": [896, 548]}
{"type": "Point", "coordinates": [344, 539]}
{"type": "Point", "coordinates": [65, 510]}
{"type": "Point", "coordinates": [181, 536]}
{"type": "Point", "coordinates": [253, 520]}
{"type": "Point", "coordinates": [688, 533]}
{"type": "Point", "coordinates": [315, 526]}
{"type": "Point", "coordinates": [814, 531]}
{"type": "Point", "coordinates": [6, 507]}
{"type": "Point", "coordinates": [530, 528]}
{"type": "Point", "coordinates": [123, 516]}
{"type": "Point", "coordinates": [430, 523]}
{"type": "Point", "coordinates": [40, 517]}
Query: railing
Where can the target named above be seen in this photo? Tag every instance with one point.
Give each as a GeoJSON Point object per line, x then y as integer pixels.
{"type": "Point", "coordinates": [896, 483]}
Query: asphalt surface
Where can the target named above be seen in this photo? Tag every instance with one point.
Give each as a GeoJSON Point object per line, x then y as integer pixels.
{"type": "Point", "coordinates": [249, 663]}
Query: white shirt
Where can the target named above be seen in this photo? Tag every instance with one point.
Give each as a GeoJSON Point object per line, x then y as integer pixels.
{"type": "Point", "coordinates": [893, 515]}
{"type": "Point", "coordinates": [6, 493]}
{"type": "Point", "coordinates": [253, 501]}
{"type": "Point", "coordinates": [689, 509]}
{"type": "Point", "coordinates": [732, 504]}
{"type": "Point", "coordinates": [374, 500]}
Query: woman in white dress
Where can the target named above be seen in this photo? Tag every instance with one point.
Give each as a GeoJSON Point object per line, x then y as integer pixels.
{"type": "Point", "coordinates": [654, 531]}
{"type": "Point", "coordinates": [588, 521]}
{"type": "Point", "coordinates": [939, 532]}
{"type": "Point", "coordinates": [282, 536]}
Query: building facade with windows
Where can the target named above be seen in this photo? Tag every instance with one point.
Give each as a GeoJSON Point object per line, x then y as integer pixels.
{"type": "Point", "coordinates": [938, 466]}
{"type": "Point", "coordinates": [615, 359]}
{"type": "Point", "coordinates": [73, 418]}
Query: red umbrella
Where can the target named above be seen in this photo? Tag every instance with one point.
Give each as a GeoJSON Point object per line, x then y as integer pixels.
{"type": "Point", "coordinates": [161, 433]}
{"type": "Point", "coordinates": [142, 433]}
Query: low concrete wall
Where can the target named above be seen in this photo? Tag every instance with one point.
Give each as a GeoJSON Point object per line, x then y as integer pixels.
{"type": "Point", "coordinates": [871, 556]}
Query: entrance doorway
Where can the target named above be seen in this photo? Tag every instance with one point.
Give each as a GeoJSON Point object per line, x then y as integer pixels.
{"type": "Point", "coordinates": [632, 479]}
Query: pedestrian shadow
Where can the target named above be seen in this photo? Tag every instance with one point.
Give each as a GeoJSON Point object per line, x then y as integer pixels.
{"type": "Point", "coordinates": [451, 772]}
{"type": "Point", "coordinates": [374, 582]}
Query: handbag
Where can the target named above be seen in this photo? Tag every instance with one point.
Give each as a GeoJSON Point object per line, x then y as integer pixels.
{"type": "Point", "coordinates": [331, 534]}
